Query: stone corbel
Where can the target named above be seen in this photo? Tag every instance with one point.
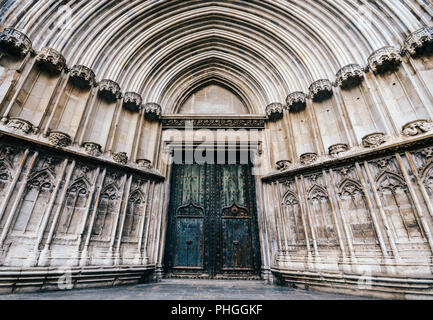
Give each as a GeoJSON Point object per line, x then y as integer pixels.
{"type": "Point", "coordinates": [283, 165]}
{"type": "Point", "coordinates": [385, 59]}
{"type": "Point", "coordinates": [296, 101]}
{"type": "Point", "coordinates": [82, 76]}
{"type": "Point", "coordinates": [152, 111]}
{"type": "Point", "coordinates": [417, 127]}
{"type": "Point", "coordinates": [59, 139]}
{"type": "Point", "coordinates": [15, 42]}
{"type": "Point", "coordinates": [308, 158]}
{"type": "Point", "coordinates": [109, 90]}
{"type": "Point", "coordinates": [120, 157]}
{"type": "Point", "coordinates": [336, 149]}
{"type": "Point", "coordinates": [274, 111]}
{"type": "Point", "coordinates": [92, 148]}
{"type": "Point", "coordinates": [349, 76]}
{"type": "Point", "coordinates": [419, 42]}
{"type": "Point", "coordinates": [132, 101]}
{"type": "Point", "coordinates": [321, 90]}
{"type": "Point", "coordinates": [24, 126]}
{"type": "Point", "coordinates": [51, 60]}
{"type": "Point", "coordinates": [144, 163]}
{"type": "Point", "coordinates": [374, 140]}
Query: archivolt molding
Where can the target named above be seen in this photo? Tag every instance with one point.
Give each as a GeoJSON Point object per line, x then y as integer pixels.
{"type": "Point", "coordinates": [264, 49]}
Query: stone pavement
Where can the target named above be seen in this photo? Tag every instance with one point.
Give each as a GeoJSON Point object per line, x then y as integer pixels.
{"type": "Point", "coordinates": [180, 289]}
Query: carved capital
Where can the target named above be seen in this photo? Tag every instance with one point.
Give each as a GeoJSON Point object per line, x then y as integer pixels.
{"type": "Point", "coordinates": [417, 127]}
{"type": "Point", "coordinates": [120, 157]}
{"type": "Point", "coordinates": [385, 59]}
{"type": "Point", "coordinates": [82, 76]}
{"type": "Point", "coordinates": [338, 148]}
{"type": "Point", "coordinates": [92, 148]}
{"type": "Point", "coordinates": [374, 140]}
{"type": "Point", "coordinates": [308, 158]}
{"type": "Point", "coordinates": [15, 42]}
{"type": "Point", "coordinates": [321, 90]}
{"type": "Point", "coordinates": [350, 76]}
{"type": "Point", "coordinates": [152, 111]}
{"type": "Point", "coordinates": [419, 42]}
{"type": "Point", "coordinates": [51, 60]}
{"type": "Point", "coordinates": [109, 89]}
{"type": "Point", "coordinates": [274, 111]}
{"type": "Point", "coordinates": [132, 101]}
{"type": "Point", "coordinates": [17, 124]}
{"type": "Point", "coordinates": [59, 139]}
{"type": "Point", "coordinates": [296, 101]}
{"type": "Point", "coordinates": [145, 163]}
{"type": "Point", "coordinates": [283, 165]}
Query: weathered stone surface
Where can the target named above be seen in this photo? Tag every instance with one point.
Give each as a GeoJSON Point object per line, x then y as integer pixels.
{"type": "Point", "coordinates": [321, 90]}
{"type": "Point", "coordinates": [109, 89]}
{"type": "Point", "coordinates": [152, 111]}
{"type": "Point", "coordinates": [51, 60]}
{"type": "Point", "coordinates": [296, 101]}
{"type": "Point", "coordinates": [350, 76]}
{"type": "Point", "coordinates": [82, 76]}
{"type": "Point", "coordinates": [274, 111]}
{"type": "Point", "coordinates": [385, 59]}
{"type": "Point", "coordinates": [132, 101]}
{"type": "Point", "coordinates": [420, 42]}
{"type": "Point", "coordinates": [15, 42]}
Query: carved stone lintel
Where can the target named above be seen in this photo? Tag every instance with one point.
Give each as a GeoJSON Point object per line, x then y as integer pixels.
{"type": "Point", "coordinates": [132, 101]}
{"type": "Point", "coordinates": [152, 111]}
{"type": "Point", "coordinates": [274, 111]}
{"type": "Point", "coordinates": [321, 90]}
{"type": "Point", "coordinates": [338, 148]}
{"type": "Point", "coordinates": [374, 140]}
{"type": "Point", "coordinates": [82, 76]}
{"type": "Point", "coordinates": [15, 42]}
{"type": "Point", "coordinates": [51, 60]}
{"type": "Point", "coordinates": [385, 59]}
{"type": "Point", "coordinates": [145, 163]}
{"type": "Point", "coordinates": [308, 158]}
{"type": "Point", "coordinates": [59, 139]}
{"type": "Point", "coordinates": [283, 165]}
{"type": "Point", "coordinates": [120, 157]}
{"type": "Point", "coordinates": [231, 123]}
{"type": "Point", "coordinates": [296, 101]}
{"type": "Point", "coordinates": [350, 76]}
{"type": "Point", "coordinates": [92, 148]}
{"type": "Point", "coordinates": [22, 125]}
{"type": "Point", "coordinates": [419, 42]}
{"type": "Point", "coordinates": [417, 127]}
{"type": "Point", "coordinates": [109, 90]}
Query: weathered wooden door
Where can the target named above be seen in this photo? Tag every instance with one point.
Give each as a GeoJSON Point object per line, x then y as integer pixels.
{"type": "Point", "coordinates": [212, 230]}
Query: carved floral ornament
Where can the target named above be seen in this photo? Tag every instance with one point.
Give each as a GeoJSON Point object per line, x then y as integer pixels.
{"type": "Point", "coordinates": [132, 101]}
{"type": "Point", "coordinates": [59, 139]}
{"type": "Point", "coordinates": [350, 76]}
{"type": "Point", "coordinates": [152, 111]}
{"type": "Point", "coordinates": [92, 148]}
{"type": "Point", "coordinates": [385, 59]}
{"type": "Point", "coordinates": [274, 111]}
{"type": "Point", "coordinates": [374, 140]}
{"type": "Point", "coordinates": [296, 101]}
{"type": "Point", "coordinates": [145, 163]}
{"type": "Point", "coordinates": [308, 158]}
{"type": "Point", "coordinates": [321, 90]}
{"type": "Point", "coordinates": [419, 42]}
{"type": "Point", "coordinates": [283, 165]}
{"type": "Point", "coordinates": [82, 76]}
{"type": "Point", "coordinates": [24, 126]}
{"type": "Point", "coordinates": [120, 157]}
{"type": "Point", "coordinates": [51, 60]}
{"type": "Point", "coordinates": [417, 127]}
{"type": "Point", "coordinates": [15, 42]}
{"type": "Point", "coordinates": [109, 89]}
{"type": "Point", "coordinates": [336, 149]}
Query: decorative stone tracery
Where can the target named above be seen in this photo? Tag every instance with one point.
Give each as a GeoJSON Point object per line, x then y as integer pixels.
{"type": "Point", "coordinates": [274, 111]}
{"type": "Point", "coordinates": [419, 42]}
{"type": "Point", "coordinates": [15, 42]}
{"type": "Point", "coordinates": [82, 76]}
{"type": "Point", "coordinates": [350, 76]}
{"type": "Point", "coordinates": [51, 60]}
{"type": "Point", "coordinates": [296, 101]}
{"type": "Point", "coordinates": [321, 90]}
{"type": "Point", "coordinates": [152, 111]}
{"type": "Point", "coordinates": [385, 59]}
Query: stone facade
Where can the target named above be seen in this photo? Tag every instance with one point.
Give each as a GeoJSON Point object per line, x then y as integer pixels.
{"type": "Point", "coordinates": [343, 174]}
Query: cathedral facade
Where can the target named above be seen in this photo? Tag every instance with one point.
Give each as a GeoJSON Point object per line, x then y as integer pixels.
{"type": "Point", "coordinates": [289, 141]}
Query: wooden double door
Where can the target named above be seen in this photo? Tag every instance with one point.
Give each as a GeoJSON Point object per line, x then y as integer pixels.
{"type": "Point", "coordinates": [212, 230]}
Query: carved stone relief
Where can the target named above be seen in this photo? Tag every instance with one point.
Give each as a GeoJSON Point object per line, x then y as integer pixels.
{"type": "Point", "coordinates": [82, 76]}
{"type": "Point", "coordinates": [274, 111]}
{"type": "Point", "coordinates": [109, 90]}
{"type": "Point", "coordinates": [132, 101]}
{"type": "Point", "coordinates": [419, 42]}
{"type": "Point", "coordinates": [15, 42]}
{"type": "Point", "coordinates": [385, 59]}
{"type": "Point", "coordinates": [59, 139]}
{"type": "Point", "coordinates": [321, 90]}
{"type": "Point", "coordinates": [296, 101]}
{"type": "Point", "coordinates": [373, 140]}
{"type": "Point", "coordinates": [350, 76]}
{"type": "Point", "coordinates": [51, 60]}
{"type": "Point", "coordinates": [152, 111]}
{"type": "Point", "coordinates": [417, 127]}
{"type": "Point", "coordinates": [308, 158]}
